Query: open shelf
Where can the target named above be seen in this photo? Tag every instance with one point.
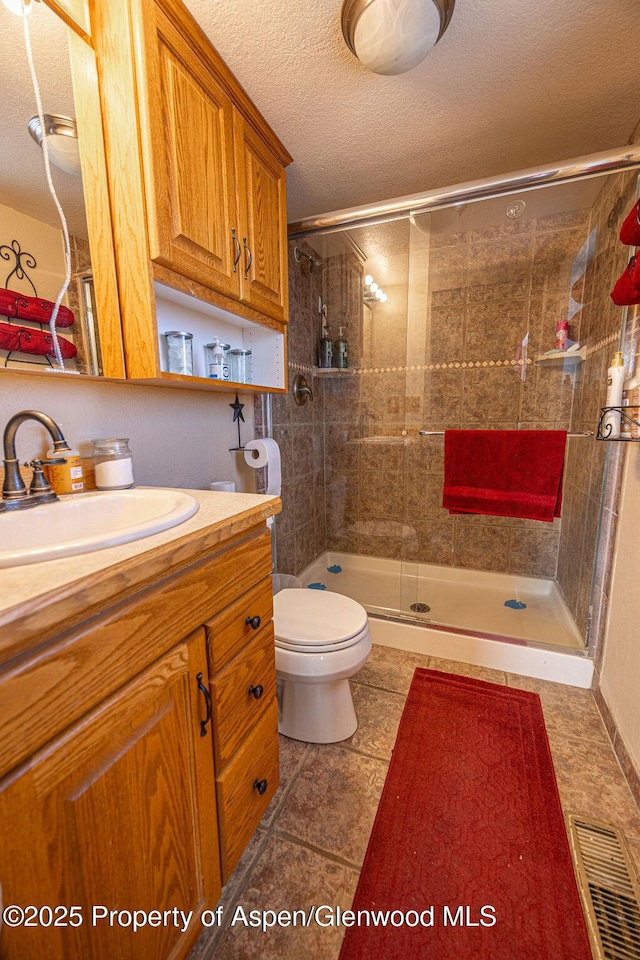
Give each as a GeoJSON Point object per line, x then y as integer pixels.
{"type": "Point", "coordinates": [332, 371]}
{"type": "Point", "coordinates": [178, 311]}
{"type": "Point", "coordinates": [555, 358]}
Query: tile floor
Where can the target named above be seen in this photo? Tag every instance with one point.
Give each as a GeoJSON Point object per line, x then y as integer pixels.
{"type": "Point", "coordinates": [312, 840]}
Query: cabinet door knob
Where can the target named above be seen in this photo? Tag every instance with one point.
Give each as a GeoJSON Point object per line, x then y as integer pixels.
{"type": "Point", "coordinates": [253, 622]}
{"type": "Point", "coordinates": [207, 697]}
{"type": "Point", "coordinates": [249, 259]}
{"type": "Point", "coordinates": [256, 691]}
{"type": "Point", "coordinates": [260, 786]}
{"type": "Point", "coordinates": [236, 259]}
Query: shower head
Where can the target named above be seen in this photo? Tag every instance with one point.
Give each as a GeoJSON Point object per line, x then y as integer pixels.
{"type": "Point", "coordinates": [300, 255]}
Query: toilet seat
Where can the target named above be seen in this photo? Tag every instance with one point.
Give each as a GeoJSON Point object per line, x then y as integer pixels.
{"type": "Point", "coordinates": [310, 621]}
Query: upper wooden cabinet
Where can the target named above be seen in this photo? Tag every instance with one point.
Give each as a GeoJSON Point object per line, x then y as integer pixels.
{"type": "Point", "coordinates": [197, 180]}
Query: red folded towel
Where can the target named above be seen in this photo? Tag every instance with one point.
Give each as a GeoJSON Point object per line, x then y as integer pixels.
{"type": "Point", "coordinates": [630, 230]}
{"type": "Point", "coordinates": [625, 292]}
{"type": "Point", "coordinates": [31, 340]}
{"type": "Point", "coordinates": [504, 473]}
{"type": "Point", "coordinates": [13, 304]}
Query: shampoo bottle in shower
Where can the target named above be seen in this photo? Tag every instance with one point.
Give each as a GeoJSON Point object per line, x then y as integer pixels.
{"type": "Point", "coordinates": [325, 351]}
{"type": "Point", "coordinates": [341, 350]}
{"type": "Point", "coordinates": [615, 381]}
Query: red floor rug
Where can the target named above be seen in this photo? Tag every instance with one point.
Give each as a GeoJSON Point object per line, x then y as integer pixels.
{"type": "Point", "coordinates": [468, 858]}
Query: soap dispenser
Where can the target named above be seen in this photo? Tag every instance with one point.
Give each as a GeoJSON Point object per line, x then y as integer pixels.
{"type": "Point", "coordinates": [325, 351]}
{"type": "Point", "coordinates": [341, 350]}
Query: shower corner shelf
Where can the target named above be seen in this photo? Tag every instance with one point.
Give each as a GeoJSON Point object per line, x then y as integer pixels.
{"type": "Point", "coordinates": [601, 432]}
{"type": "Point", "coordinates": [562, 357]}
{"type": "Point", "coordinates": [332, 371]}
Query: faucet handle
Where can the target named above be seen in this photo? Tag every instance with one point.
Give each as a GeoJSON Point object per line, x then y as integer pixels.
{"type": "Point", "coordinates": [40, 486]}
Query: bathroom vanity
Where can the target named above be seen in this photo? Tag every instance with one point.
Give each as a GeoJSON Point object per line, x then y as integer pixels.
{"type": "Point", "coordinates": [138, 731]}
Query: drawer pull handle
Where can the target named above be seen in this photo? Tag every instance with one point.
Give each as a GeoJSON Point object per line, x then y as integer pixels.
{"type": "Point", "coordinates": [253, 622]}
{"type": "Point", "coordinates": [260, 786]}
{"type": "Point", "coordinates": [207, 697]}
{"type": "Point", "coordinates": [256, 691]}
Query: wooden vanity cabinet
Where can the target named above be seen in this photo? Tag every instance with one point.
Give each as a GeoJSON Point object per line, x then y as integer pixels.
{"type": "Point", "coordinates": [118, 727]}
{"type": "Point", "coordinates": [117, 812]}
{"type": "Point", "coordinates": [197, 177]}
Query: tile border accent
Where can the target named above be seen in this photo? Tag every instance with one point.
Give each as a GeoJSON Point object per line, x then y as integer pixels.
{"type": "Point", "coordinates": [444, 365]}
{"type": "Point", "coordinates": [632, 775]}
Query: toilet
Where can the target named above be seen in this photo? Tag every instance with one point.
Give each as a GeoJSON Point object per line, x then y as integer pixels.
{"type": "Point", "coordinates": [322, 639]}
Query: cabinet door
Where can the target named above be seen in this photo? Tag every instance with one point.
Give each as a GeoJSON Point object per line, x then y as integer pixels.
{"type": "Point", "coordinates": [187, 133]}
{"type": "Point", "coordinates": [263, 215]}
{"type": "Point", "coordinates": [120, 813]}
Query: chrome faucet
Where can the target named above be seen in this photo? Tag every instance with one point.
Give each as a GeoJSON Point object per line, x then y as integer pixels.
{"type": "Point", "coordinates": [14, 492]}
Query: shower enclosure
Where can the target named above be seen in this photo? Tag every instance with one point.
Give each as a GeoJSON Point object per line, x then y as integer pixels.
{"type": "Point", "coordinates": [461, 337]}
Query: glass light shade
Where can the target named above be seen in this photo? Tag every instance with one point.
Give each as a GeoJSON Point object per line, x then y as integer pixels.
{"type": "Point", "coordinates": [393, 36]}
{"type": "Point", "coordinates": [62, 141]}
{"type": "Point", "coordinates": [368, 280]}
{"type": "Point", "coordinates": [383, 298]}
{"type": "Point", "coordinates": [373, 286]}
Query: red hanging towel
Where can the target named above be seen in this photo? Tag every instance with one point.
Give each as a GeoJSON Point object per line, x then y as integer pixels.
{"type": "Point", "coordinates": [625, 292]}
{"type": "Point", "coordinates": [504, 473]}
{"type": "Point", "coordinates": [630, 230]}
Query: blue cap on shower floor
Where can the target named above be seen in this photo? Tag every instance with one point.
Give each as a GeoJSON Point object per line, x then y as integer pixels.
{"type": "Point", "coordinates": [515, 604]}
{"type": "Point", "coordinates": [316, 586]}
{"type": "Point", "coordinates": [334, 568]}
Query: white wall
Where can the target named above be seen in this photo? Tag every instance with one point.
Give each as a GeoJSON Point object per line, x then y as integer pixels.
{"type": "Point", "coordinates": [620, 673]}
{"type": "Point", "coordinates": [179, 438]}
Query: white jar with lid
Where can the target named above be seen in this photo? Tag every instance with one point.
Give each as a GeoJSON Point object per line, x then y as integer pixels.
{"type": "Point", "coordinates": [113, 464]}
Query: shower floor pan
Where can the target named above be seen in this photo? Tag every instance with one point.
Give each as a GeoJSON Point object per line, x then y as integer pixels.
{"type": "Point", "coordinates": [467, 619]}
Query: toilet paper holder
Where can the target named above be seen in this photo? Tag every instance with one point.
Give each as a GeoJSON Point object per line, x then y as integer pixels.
{"type": "Point", "coordinates": [301, 390]}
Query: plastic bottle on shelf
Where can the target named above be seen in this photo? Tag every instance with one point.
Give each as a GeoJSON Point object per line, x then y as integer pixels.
{"type": "Point", "coordinates": [325, 351]}
{"type": "Point", "coordinates": [341, 350]}
{"type": "Point", "coordinates": [218, 367]}
{"type": "Point", "coordinates": [615, 381]}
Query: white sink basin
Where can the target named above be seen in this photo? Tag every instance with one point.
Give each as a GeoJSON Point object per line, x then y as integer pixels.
{"type": "Point", "coordinates": [89, 522]}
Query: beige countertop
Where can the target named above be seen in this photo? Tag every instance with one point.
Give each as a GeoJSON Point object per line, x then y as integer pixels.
{"type": "Point", "coordinates": [31, 592]}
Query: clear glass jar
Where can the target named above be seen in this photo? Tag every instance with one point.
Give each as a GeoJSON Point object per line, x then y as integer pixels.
{"type": "Point", "coordinates": [179, 352]}
{"type": "Point", "coordinates": [113, 464]}
{"type": "Point", "coordinates": [240, 365]}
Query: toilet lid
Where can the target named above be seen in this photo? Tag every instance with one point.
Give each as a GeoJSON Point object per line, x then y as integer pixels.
{"type": "Point", "coordinates": [316, 617]}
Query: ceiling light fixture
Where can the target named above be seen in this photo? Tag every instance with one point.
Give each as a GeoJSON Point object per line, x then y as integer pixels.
{"type": "Point", "coordinates": [394, 36]}
{"type": "Point", "coordinates": [62, 140]}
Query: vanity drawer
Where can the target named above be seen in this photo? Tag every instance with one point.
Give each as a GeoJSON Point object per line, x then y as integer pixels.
{"type": "Point", "coordinates": [240, 804]}
{"type": "Point", "coordinates": [229, 631]}
{"type": "Point", "coordinates": [235, 707]}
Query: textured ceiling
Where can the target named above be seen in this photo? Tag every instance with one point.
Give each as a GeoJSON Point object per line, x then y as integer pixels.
{"type": "Point", "coordinates": [510, 85]}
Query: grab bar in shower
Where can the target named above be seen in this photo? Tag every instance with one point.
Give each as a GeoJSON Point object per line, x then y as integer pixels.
{"type": "Point", "coordinates": [440, 433]}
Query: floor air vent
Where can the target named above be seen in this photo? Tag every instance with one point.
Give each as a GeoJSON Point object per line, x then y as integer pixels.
{"type": "Point", "coordinates": [420, 607]}
{"type": "Point", "coordinates": [609, 888]}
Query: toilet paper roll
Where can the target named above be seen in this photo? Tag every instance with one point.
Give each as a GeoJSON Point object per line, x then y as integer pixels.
{"type": "Point", "coordinates": [228, 486]}
{"type": "Point", "coordinates": [268, 455]}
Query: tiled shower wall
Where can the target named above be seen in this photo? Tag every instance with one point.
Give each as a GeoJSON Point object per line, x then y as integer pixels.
{"type": "Point", "coordinates": [600, 321]}
{"type": "Point", "coordinates": [443, 356]}
{"type": "Point", "coordinates": [298, 430]}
